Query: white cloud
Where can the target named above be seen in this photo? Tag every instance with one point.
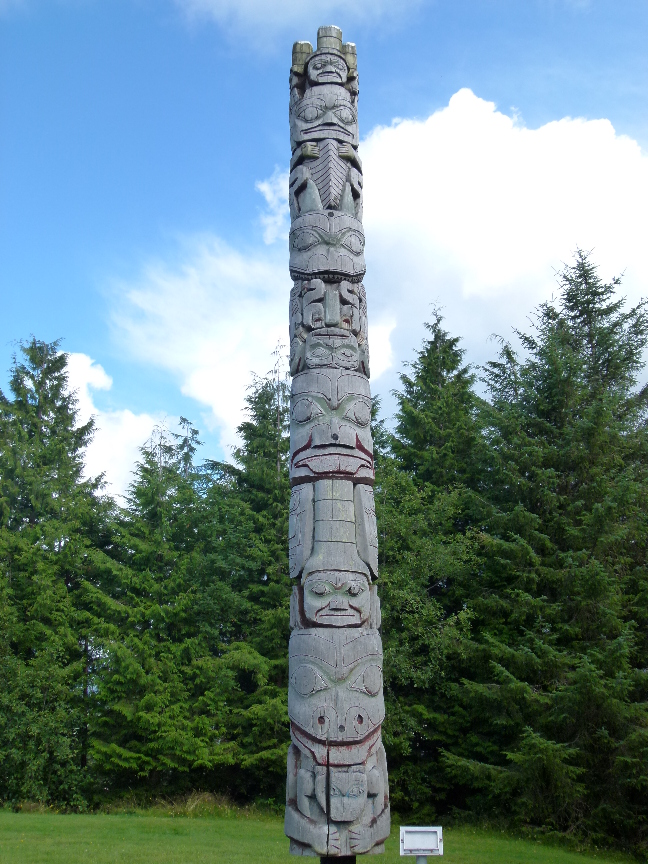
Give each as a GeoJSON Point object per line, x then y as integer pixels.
{"type": "Point", "coordinates": [211, 320]}
{"type": "Point", "coordinates": [473, 212]}
{"type": "Point", "coordinates": [467, 210]}
{"type": "Point", "coordinates": [382, 355]}
{"type": "Point", "coordinates": [119, 434]}
{"type": "Point", "coordinates": [276, 218]}
{"type": "Point", "coordinates": [261, 21]}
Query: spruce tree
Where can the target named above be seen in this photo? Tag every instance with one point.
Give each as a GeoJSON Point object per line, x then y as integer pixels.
{"type": "Point", "coordinates": [194, 690]}
{"type": "Point", "coordinates": [52, 574]}
{"type": "Point", "coordinates": [552, 706]}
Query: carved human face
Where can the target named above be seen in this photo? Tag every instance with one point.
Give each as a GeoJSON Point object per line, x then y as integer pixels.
{"type": "Point", "coordinates": [330, 434]}
{"type": "Point", "coordinates": [331, 347]}
{"type": "Point", "coordinates": [324, 112]}
{"type": "Point", "coordinates": [329, 244]}
{"type": "Point", "coordinates": [337, 599]}
{"type": "Point", "coordinates": [327, 69]}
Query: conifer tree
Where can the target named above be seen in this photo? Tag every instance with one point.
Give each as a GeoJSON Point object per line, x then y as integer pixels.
{"type": "Point", "coordinates": [194, 690]}
{"type": "Point", "coordinates": [438, 434]}
{"type": "Point", "coordinates": [52, 570]}
{"type": "Point", "coordinates": [552, 707]}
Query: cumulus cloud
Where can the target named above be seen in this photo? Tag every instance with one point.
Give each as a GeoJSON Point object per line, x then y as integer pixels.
{"type": "Point", "coordinates": [467, 210]}
{"type": "Point", "coordinates": [211, 319]}
{"type": "Point", "coordinates": [114, 449]}
{"type": "Point", "coordinates": [473, 212]}
{"type": "Point", "coordinates": [261, 21]}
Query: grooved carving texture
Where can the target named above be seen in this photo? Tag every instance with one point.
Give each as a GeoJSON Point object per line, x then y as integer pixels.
{"type": "Point", "coordinates": [337, 791]}
{"type": "Point", "coordinates": [329, 173]}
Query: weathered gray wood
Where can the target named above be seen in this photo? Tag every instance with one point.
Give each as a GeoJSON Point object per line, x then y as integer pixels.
{"type": "Point", "coordinates": [337, 791]}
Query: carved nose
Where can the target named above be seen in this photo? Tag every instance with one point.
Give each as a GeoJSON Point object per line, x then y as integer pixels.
{"type": "Point", "coordinates": [338, 603]}
{"type": "Point", "coordinates": [335, 436]}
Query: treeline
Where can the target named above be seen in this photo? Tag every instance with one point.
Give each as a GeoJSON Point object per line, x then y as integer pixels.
{"type": "Point", "coordinates": [143, 648]}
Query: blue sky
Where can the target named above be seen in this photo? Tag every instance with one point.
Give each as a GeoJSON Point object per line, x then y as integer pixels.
{"type": "Point", "coordinates": [134, 135]}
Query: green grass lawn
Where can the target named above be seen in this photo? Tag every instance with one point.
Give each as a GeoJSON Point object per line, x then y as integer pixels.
{"type": "Point", "coordinates": [48, 838]}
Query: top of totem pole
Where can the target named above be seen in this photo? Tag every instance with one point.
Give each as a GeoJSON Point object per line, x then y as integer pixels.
{"type": "Point", "coordinates": [329, 41]}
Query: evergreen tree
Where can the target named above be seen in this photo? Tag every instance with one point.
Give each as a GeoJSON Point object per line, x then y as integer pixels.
{"type": "Point", "coordinates": [194, 689]}
{"type": "Point", "coordinates": [551, 712]}
{"type": "Point", "coordinates": [144, 649]}
{"type": "Point", "coordinates": [52, 570]}
{"type": "Point", "coordinates": [438, 432]}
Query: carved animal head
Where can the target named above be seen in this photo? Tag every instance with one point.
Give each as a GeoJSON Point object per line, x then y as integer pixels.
{"type": "Point", "coordinates": [330, 433]}
{"type": "Point", "coordinates": [326, 111]}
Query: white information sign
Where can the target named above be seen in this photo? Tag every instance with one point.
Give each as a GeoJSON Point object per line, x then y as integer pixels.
{"type": "Point", "coordinates": [421, 841]}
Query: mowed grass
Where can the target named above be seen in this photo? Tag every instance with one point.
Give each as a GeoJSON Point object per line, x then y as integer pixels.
{"type": "Point", "coordinates": [48, 838]}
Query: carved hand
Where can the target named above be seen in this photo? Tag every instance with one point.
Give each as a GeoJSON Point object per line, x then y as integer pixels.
{"type": "Point", "coordinates": [346, 151]}
{"type": "Point", "coordinates": [360, 839]}
{"type": "Point", "coordinates": [333, 841]}
{"type": "Point", "coordinates": [310, 150]}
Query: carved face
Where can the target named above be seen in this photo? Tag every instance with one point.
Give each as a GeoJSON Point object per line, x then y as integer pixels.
{"type": "Point", "coordinates": [336, 348]}
{"type": "Point", "coordinates": [337, 599]}
{"type": "Point", "coordinates": [347, 794]}
{"type": "Point", "coordinates": [330, 434]}
{"type": "Point", "coordinates": [335, 691]}
{"type": "Point", "coordinates": [327, 69]}
{"type": "Point", "coordinates": [329, 245]}
{"type": "Point", "coordinates": [316, 304]}
{"type": "Point", "coordinates": [324, 112]}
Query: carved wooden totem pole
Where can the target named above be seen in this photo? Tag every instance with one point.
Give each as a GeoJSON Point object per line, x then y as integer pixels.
{"type": "Point", "coordinates": [337, 797]}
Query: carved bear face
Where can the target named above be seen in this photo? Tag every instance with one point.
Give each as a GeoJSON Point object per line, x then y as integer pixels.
{"type": "Point", "coordinates": [330, 433]}
{"type": "Point", "coordinates": [326, 111]}
{"type": "Point", "coordinates": [328, 245]}
{"type": "Point", "coordinates": [335, 691]}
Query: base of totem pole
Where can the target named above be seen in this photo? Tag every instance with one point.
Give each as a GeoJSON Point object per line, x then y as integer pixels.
{"type": "Point", "coordinates": [342, 859]}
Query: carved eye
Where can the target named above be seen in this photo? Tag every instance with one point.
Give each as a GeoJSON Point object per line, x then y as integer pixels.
{"type": "Point", "coordinates": [307, 680]}
{"type": "Point", "coordinates": [304, 410]}
{"type": "Point", "coordinates": [369, 682]}
{"type": "Point", "coordinates": [304, 239]}
{"type": "Point", "coordinates": [319, 588]}
{"type": "Point", "coordinates": [320, 352]}
{"type": "Point", "coordinates": [346, 354]}
{"type": "Point", "coordinates": [310, 112]}
{"type": "Point", "coordinates": [359, 413]}
{"type": "Point", "coordinates": [354, 242]}
{"type": "Point", "coordinates": [356, 791]}
{"type": "Point", "coordinates": [355, 588]}
{"type": "Point", "coordinates": [345, 115]}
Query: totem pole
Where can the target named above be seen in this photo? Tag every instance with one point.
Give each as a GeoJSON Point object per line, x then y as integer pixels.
{"type": "Point", "coordinates": [337, 797]}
